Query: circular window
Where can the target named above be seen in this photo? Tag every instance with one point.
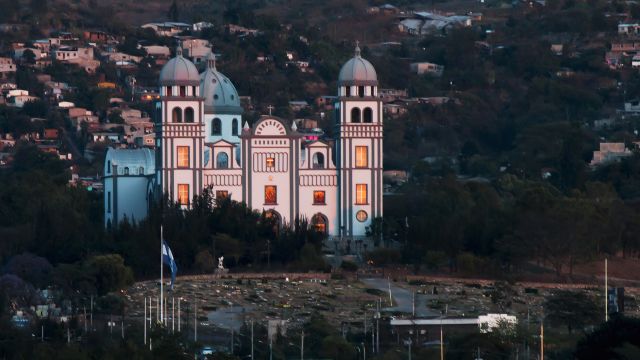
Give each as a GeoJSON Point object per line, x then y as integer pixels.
{"type": "Point", "coordinates": [215, 96]}
{"type": "Point", "coordinates": [362, 216]}
{"type": "Point", "coordinates": [214, 81]}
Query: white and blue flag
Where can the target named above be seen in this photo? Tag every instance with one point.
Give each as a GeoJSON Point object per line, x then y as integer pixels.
{"type": "Point", "coordinates": [167, 258]}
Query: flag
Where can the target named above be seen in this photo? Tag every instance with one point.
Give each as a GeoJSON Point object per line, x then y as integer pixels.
{"type": "Point", "coordinates": [167, 258]}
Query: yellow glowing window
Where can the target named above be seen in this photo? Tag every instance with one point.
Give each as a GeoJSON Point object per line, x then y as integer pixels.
{"type": "Point", "coordinates": [361, 194]}
{"type": "Point", "coordinates": [318, 197]}
{"type": "Point", "coordinates": [271, 162]}
{"type": "Point", "coordinates": [183, 156]}
{"type": "Point", "coordinates": [362, 156]}
{"type": "Point", "coordinates": [271, 195]}
{"type": "Point", "coordinates": [222, 194]}
{"type": "Point", "coordinates": [183, 194]}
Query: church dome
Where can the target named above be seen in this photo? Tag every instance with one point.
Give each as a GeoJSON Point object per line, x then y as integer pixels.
{"type": "Point", "coordinates": [220, 96]}
{"type": "Point", "coordinates": [357, 71]}
{"type": "Point", "coordinates": [179, 71]}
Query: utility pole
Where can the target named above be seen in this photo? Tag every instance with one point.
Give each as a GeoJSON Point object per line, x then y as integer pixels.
{"type": "Point", "coordinates": [302, 346]}
{"type": "Point", "coordinates": [85, 318]}
{"type": "Point", "coordinates": [173, 314]}
{"type": "Point", "coordinates": [42, 333]}
{"type": "Point", "coordinates": [195, 321]}
{"type": "Point", "coordinates": [606, 291]}
{"type": "Point", "coordinates": [145, 320]}
{"type": "Point", "coordinates": [251, 339]}
{"type": "Point", "coordinates": [91, 313]}
{"type": "Point", "coordinates": [441, 344]}
{"type": "Point", "coordinates": [541, 341]}
{"type": "Point", "coordinates": [179, 317]}
{"type": "Point", "coordinates": [413, 304]}
{"type": "Point", "coordinates": [231, 341]}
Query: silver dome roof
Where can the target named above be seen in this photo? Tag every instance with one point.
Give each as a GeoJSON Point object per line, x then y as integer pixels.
{"type": "Point", "coordinates": [357, 71]}
{"type": "Point", "coordinates": [220, 96]}
{"type": "Point", "coordinates": [179, 71]}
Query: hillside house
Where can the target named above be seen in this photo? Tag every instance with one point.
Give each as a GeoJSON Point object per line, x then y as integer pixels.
{"type": "Point", "coordinates": [167, 28]}
{"type": "Point", "coordinates": [427, 68]}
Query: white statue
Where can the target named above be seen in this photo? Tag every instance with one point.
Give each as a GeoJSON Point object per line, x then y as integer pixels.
{"type": "Point", "coordinates": [220, 263]}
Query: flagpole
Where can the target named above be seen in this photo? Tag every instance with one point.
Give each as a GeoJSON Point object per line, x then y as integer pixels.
{"type": "Point", "coordinates": [161, 279]}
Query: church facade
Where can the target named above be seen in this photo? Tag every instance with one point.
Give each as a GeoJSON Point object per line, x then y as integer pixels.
{"type": "Point", "coordinates": [202, 142]}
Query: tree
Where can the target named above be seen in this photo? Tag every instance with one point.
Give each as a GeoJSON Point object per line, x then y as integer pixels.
{"type": "Point", "coordinates": [204, 262]}
{"type": "Point", "coordinates": [110, 272]}
{"type": "Point", "coordinates": [618, 338]}
{"type": "Point", "coordinates": [34, 269]}
{"type": "Point", "coordinates": [173, 12]}
{"type": "Point", "coordinates": [572, 309]}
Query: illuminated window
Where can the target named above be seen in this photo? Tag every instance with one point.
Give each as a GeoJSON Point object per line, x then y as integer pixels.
{"type": "Point", "coordinates": [222, 194]}
{"type": "Point", "coordinates": [183, 194]}
{"type": "Point", "coordinates": [319, 223]}
{"type": "Point", "coordinates": [271, 162]}
{"type": "Point", "coordinates": [362, 159]}
{"type": "Point", "coordinates": [183, 156]}
{"type": "Point", "coordinates": [362, 216]}
{"type": "Point", "coordinates": [318, 197]}
{"type": "Point", "coordinates": [270, 195]}
{"type": "Point", "coordinates": [361, 194]}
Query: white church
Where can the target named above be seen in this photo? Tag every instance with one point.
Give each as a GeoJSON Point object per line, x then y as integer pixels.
{"type": "Point", "coordinates": [202, 141]}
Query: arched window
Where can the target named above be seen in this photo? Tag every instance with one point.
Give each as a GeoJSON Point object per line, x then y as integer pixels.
{"type": "Point", "coordinates": [176, 114]}
{"type": "Point", "coordinates": [234, 127]}
{"type": "Point", "coordinates": [367, 115]}
{"type": "Point", "coordinates": [222, 161]}
{"type": "Point", "coordinates": [320, 223]}
{"type": "Point", "coordinates": [183, 91]}
{"type": "Point", "coordinates": [361, 91]}
{"type": "Point", "coordinates": [216, 127]}
{"type": "Point", "coordinates": [188, 115]}
{"type": "Point", "coordinates": [126, 170]}
{"type": "Point", "coordinates": [273, 217]}
{"type": "Point", "coordinates": [169, 90]}
{"type": "Point", "coordinates": [355, 115]}
{"type": "Point", "coordinates": [318, 161]}
{"type": "Point", "coordinates": [348, 91]}
{"type": "Point", "coordinates": [141, 171]}
{"type": "Point", "coordinates": [373, 93]}
{"type": "Point", "coordinates": [108, 166]}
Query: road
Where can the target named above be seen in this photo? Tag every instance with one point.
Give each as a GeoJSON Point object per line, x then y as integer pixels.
{"type": "Point", "coordinates": [402, 298]}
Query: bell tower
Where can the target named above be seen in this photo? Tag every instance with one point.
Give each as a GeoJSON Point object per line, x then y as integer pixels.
{"type": "Point", "coordinates": [359, 146]}
{"type": "Point", "coordinates": [179, 131]}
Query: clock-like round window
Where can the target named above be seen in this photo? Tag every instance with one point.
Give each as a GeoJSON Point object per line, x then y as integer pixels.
{"type": "Point", "coordinates": [362, 216]}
